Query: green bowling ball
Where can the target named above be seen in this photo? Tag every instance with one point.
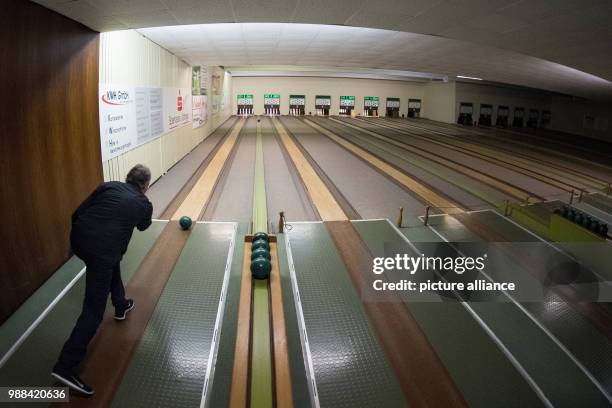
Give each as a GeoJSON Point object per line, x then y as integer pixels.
{"type": "Point", "coordinates": [260, 253]}
{"type": "Point", "coordinates": [261, 235]}
{"type": "Point", "coordinates": [185, 222]}
{"type": "Point", "coordinates": [260, 268]}
{"type": "Point", "coordinates": [260, 243]}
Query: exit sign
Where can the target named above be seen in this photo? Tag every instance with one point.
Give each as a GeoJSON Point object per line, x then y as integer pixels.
{"type": "Point", "coordinates": [245, 96]}
{"type": "Point", "coordinates": [347, 98]}
{"type": "Point", "coordinates": [271, 96]}
{"type": "Point", "coordinates": [371, 98]}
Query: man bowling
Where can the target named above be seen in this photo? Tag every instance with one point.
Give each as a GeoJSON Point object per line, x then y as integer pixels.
{"type": "Point", "coordinates": [102, 227]}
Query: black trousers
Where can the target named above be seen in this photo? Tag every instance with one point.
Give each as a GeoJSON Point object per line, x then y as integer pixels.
{"type": "Point", "coordinates": [100, 279]}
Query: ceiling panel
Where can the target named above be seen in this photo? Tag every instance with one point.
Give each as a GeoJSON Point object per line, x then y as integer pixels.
{"type": "Point", "coordinates": [560, 31]}
{"type": "Point", "coordinates": [324, 46]}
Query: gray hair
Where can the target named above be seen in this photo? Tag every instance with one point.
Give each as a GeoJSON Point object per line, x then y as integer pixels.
{"type": "Point", "coordinates": [139, 176]}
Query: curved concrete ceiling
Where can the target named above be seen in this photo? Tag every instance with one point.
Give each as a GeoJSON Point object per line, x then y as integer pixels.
{"type": "Point", "coordinates": [533, 36]}
{"type": "Point", "coordinates": [311, 45]}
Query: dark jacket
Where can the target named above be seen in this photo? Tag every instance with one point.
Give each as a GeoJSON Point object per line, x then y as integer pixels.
{"type": "Point", "coordinates": [102, 226]}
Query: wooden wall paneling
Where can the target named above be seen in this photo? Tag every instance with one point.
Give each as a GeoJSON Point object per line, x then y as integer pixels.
{"type": "Point", "coordinates": [49, 141]}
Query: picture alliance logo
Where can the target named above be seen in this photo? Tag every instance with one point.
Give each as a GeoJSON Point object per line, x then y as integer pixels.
{"type": "Point", "coordinates": [116, 97]}
{"type": "Point", "coordinates": [413, 264]}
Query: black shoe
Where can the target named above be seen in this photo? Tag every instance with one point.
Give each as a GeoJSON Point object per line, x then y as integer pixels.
{"type": "Point", "coordinates": [121, 313]}
{"type": "Point", "coordinates": [72, 380]}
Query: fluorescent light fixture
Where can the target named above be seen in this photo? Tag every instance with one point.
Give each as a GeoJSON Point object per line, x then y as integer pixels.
{"type": "Point", "coordinates": [469, 77]}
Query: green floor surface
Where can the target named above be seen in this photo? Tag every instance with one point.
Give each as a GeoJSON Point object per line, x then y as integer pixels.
{"type": "Point", "coordinates": [478, 366]}
{"type": "Point", "coordinates": [16, 325]}
{"type": "Point", "coordinates": [551, 359]}
{"type": "Point", "coordinates": [32, 362]}
{"type": "Point", "coordinates": [169, 365]}
{"type": "Point", "coordinates": [350, 366]}
{"type": "Point", "coordinates": [220, 391]}
{"type": "Point", "coordinates": [299, 384]}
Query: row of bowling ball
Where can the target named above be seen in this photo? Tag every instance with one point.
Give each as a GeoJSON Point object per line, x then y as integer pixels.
{"type": "Point", "coordinates": [261, 261]}
{"type": "Point", "coordinates": [582, 219]}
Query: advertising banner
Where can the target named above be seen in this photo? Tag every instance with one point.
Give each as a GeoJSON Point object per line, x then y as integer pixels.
{"type": "Point", "coordinates": [149, 115]}
{"type": "Point", "coordinates": [195, 80]}
{"type": "Point", "coordinates": [216, 88]}
{"type": "Point", "coordinates": [199, 111]}
{"type": "Point", "coordinates": [198, 80]}
{"type": "Point", "coordinates": [177, 107]}
{"type": "Point", "coordinates": [117, 120]}
{"type": "Point", "coordinates": [131, 116]}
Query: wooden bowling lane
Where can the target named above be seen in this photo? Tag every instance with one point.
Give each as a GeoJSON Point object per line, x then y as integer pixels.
{"type": "Point", "coordinates": [495, 181]}
{"type": "Point", "coordinates": [282, 373]}
{"type": "Point", "coordinates": [232, 198]}
{"type": "Point", "coordinates": [209, 148]}
{"type": "Point", "coordinates": [283, 184]}
{"type": "Point", "coordinates": [323, 200]}
{"type": "Point", "coordinates": [368, 192]}
{"type": "Point", "coordinates": [261, 375]}
{"type": "Point", "coordinates": [168, 191]}
{"type": "Point", "coordinates": [197, 199]}
{"type": "Point", "coordinates": [520, 158]}
{"type": "Point", "coordinates": [426, 194]}
{"type": "Point", "coordinates": [569, 162]}
{"type": "Point", "coordinates": [464, 190]}
{"type": "Point", "coordinates": [240, 372]}
{"type": "Point", "coordinates": [498, 157]}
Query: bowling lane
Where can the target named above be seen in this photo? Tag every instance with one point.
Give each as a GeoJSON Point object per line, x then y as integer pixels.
{"type": "Point", "coordinates": [535, 168]}
{"type": "Point", "coordinates": [232, 199]}
{"type": "Point", "coordinates": [511, 177]}
{"type": "Point", "coordinates": [165, 189]}
{"type": "Point", "coordinates": [562, 322]}
{"type": "Point", "coordinates": [371, 194]}
{"type": "Point", "coordinates": [451, 183]}
{"type": "Point", "coordinates": [503, 139]}
{"type": "Point", "coordinates": [284, 189]}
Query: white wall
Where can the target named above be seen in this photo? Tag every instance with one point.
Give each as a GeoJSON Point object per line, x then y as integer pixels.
{"type": "Point", "coordinates": [440, 97]}
{"type": "Point", "coordinates": [478, 94]}
{"type": "Point", "coordinates": [568, 116]}
{"type": "Point", "coordinates": [128, 58]}
{"type": "Point", "coordinates": [440, 100]}
{"type": "Point", "coordinates": [335, 87]}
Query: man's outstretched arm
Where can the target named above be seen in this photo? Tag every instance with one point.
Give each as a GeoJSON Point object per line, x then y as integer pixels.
{"type": "Point", "coordinates": [146, 220]}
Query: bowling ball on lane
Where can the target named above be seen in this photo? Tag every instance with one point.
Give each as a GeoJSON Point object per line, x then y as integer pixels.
{"type": "Point", "coordinates": [260, 268]}
{"type": "Point", "coordinates": [261, 235]}
{"type": "Point", "coordinates": [185, 222]}
{"type": "Point", "coordinates": [260, 243]}
{"type": "Point", "coordinates": [260, 253]}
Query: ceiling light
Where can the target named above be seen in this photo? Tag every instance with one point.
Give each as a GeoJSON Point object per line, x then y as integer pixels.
{"type": "Point", "coordinates": [469, 77]}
